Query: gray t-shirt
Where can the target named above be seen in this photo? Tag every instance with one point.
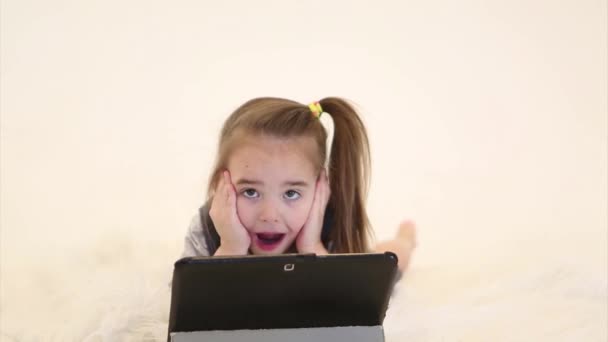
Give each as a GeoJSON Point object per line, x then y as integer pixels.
{"type": "Point", "coordinates": [194, 243]}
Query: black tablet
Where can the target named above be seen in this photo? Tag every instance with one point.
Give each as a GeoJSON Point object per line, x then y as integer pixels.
{"type": "Point", "coordinates": [281, 291]}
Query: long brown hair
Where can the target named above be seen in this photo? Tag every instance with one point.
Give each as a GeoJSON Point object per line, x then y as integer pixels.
{"type": "Point", "coordinates": [349, 160]}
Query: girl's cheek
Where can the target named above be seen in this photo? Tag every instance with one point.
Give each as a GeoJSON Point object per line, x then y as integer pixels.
{"type": "Point", "coordinates": [245, 211]}
{"type": "Point", "coordinates": [300, 216]}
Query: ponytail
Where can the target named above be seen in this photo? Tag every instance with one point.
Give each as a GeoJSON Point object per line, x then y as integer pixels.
{"type": "Point", "coordinates": [349, 172]}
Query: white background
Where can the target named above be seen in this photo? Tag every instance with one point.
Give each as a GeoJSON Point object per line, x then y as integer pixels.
{"type": "Point", "coordinates": [487, 119]}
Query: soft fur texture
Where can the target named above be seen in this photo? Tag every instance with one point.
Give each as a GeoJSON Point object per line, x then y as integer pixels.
{"type": "Point", "coordinates": [116, 292]}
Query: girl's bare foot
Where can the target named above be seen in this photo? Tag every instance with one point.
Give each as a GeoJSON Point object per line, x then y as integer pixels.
{"type": "Point", "coordinates": [402, 245]}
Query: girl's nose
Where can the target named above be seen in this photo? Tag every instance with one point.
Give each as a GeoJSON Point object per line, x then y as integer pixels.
{"type": "Point", "coordinates": [269, 213]}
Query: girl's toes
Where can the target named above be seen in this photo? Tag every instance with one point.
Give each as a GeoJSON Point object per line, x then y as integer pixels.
{"type": "Point", "coordinates": [407, 232]}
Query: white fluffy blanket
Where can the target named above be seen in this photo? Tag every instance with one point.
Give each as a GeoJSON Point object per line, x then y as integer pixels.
{"type": "Point", "coordinates": [115, 292]}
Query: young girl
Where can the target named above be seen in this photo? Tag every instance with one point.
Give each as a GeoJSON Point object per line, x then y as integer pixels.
{"type": "Point", "coordinates": [270, 193]}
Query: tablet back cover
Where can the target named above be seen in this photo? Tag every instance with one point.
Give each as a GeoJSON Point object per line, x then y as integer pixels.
{"type": "Point", "coordinates": [279, 292]}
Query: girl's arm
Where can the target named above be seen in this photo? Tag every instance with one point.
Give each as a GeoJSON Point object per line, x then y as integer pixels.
{"type": "Point", "coordinates": [194, 241]}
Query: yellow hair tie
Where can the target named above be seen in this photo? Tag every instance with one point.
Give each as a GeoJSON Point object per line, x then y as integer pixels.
{"type": "Point", "coordinates": [316, 109]}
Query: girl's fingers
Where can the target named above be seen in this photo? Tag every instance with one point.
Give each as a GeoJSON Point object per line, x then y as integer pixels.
{"type": "Point", "coordinates": [228, 193]}
{"type": "Point", "coordinates": [320, 199]}
{"type": "Point", "coordinates": [219, 192]}
{"type": "Point", "coordinates": [325, 190]}
{"type": "Point", "coordinates": [327, 186]}
{"type": "Point", "coordinates": [220, 185]}
{"type": "Point", "coordinates": [228, 189]}
{"type": "Point", "coordinates": [231, 194]}
{"type": "Point", "coordinates": [318, 194]}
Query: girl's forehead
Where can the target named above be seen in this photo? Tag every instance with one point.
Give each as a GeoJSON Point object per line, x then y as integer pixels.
{"type": "Point", "coordinates": [260, 153]}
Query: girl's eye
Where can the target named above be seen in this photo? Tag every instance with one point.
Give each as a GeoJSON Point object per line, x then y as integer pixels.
{"type": "Point", "coordinates": [250, 193]}
{"type": "Point", "coordinates": [292, 194]}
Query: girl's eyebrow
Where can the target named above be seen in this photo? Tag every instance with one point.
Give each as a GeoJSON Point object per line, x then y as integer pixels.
{"type": "Point", "coordinates": [245, 181]}
{"type": "Point", "coordinates": [295, 183]}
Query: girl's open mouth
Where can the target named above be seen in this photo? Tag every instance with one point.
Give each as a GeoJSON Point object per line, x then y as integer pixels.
{"type": "Point", "coordinates": [269, 241]}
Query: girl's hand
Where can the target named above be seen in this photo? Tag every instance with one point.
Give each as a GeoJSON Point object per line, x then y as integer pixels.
{"type": "Point", "coordinates": [309, 238]}
{"type": "Point", "coordinates": [235, 239]}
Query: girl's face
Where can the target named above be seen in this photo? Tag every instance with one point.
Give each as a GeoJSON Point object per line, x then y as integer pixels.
{"type": "Point", "coordinates": [275, 186]}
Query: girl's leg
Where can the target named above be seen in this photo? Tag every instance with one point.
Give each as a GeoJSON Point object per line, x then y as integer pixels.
{"type": "Point", "coordinates": [403, 244]}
